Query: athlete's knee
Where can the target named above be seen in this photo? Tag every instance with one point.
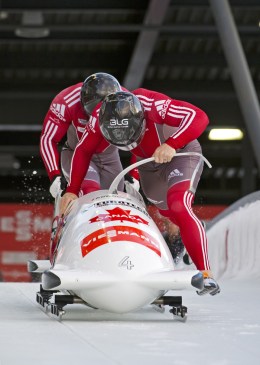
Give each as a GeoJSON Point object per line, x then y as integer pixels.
{"type": "Point", "coordinates": [179, 198]}
{"type": "Point", "coordinates": [89, 186]}
{"type": "Point", "coordinates": [176, 204]}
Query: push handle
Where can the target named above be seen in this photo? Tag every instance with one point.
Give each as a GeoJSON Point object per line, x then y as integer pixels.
{"type": "Point", "coordinates": [116, 181]}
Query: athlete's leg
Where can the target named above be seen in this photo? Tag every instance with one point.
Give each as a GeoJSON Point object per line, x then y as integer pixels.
{"type": "Point", "coordinates": [178, 180]}
{"type": "Point", "coordinates": [192, 232]}
{"type": "Point", "coordinates": [171, 188]}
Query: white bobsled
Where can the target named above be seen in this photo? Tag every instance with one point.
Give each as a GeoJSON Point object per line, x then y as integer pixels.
{"type": "Point", "coordinates": [111, 255]}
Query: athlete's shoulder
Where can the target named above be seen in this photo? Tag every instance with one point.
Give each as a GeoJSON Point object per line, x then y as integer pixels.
{"type": "Point", "coordinates": [145, 96]}
{"type": "Point", "coordinates": [143, 92]}
{"type": "Point", "coordinates": [69, 96]}
{"type": "Point", "coordinates": [149, 95]}
{"type": "Point", "coordinates": [146, 92]}
{"type": "Point", "coordinates": [66, 103]}
{"type": "Point", "coordinates": [151, 99]}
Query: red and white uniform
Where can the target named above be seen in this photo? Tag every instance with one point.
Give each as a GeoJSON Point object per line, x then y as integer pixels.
{"type": "Point", "coordinates": [66, 117]}
{"type": "Point", "coordinates": [170, 186]}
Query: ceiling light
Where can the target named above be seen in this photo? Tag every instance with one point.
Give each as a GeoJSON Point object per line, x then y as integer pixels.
{"type": "Point", "coordinates": [3, 15]}
{"type": "Point", "coordinates": [32, 32]}
{"type": "Point", "coordinates": [225, 134]}
{"type": "Point", "coordinates": [32, 26]}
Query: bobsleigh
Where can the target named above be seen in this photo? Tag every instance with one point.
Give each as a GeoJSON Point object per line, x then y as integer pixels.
{"type": "Point", "coordinates": [110, 255]}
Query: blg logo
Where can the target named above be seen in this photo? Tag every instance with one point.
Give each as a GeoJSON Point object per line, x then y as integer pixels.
{"type": "Point", "coordinates": [116, 122]}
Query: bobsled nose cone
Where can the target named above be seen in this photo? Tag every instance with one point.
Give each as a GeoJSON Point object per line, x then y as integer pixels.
{"type": "Point", "coordinates": [50, 280]}
{"type": "Point", "coordinates": [32, 266]}
{"type": "Point", "coordinates": [197, 281]}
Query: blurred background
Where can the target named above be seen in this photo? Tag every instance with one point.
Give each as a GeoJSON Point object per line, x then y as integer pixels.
{"type": "Point", "coordinates": [177, 47]}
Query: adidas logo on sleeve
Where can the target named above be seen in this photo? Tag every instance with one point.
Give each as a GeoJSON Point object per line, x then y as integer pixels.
{"type": "Point", "coordinates": [162, 106]}
{"type": "Point", "coordinates": [58, 110]}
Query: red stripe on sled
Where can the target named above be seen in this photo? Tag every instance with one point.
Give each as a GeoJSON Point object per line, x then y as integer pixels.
{"type": "Point", "coordinates": [115, 234]}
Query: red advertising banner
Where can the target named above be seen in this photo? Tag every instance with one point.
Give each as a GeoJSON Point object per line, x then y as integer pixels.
{"type": "Point", "coordinates": [25, 231]}
{"type": "Point", "coordinates": [24, 235]}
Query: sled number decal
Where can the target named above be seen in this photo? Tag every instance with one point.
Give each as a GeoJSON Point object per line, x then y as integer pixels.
{"type": "Point", "coordinates": [125, 262]}
{"type": "Point", "coordinates": [118, 233]}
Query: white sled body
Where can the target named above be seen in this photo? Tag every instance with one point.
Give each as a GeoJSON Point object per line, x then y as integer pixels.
{"type": "Point", "coordinates": [112, 255]}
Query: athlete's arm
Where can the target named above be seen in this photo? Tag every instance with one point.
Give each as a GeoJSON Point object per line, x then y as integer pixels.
{"type": "Point", "coordinates": [54, 129]}
{"type": "Point", "coordinates": [79, 167]}
{"type": "Point", "coordinates": [190, 120]}
{"type": "Point", "coordinates": [192, 123]}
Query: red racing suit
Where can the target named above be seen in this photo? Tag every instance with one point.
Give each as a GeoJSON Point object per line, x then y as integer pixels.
{"type": "Point", "coordinates": [170, 186]}
{"type": "Point", "coordinates": [66, 117]}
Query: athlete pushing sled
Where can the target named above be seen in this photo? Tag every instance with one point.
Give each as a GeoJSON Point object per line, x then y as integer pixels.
{"type": "Point", "coordinates": [151, 124]}
{"type": "Point", "coordinates": [110, 255]}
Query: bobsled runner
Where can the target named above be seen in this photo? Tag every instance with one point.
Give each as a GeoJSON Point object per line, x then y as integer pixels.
{"type": "Point", "coordinates": [110, 255]}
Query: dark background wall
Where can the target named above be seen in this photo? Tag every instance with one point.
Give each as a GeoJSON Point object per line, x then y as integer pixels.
{"type": "Point", "coordinates": [169, 46]}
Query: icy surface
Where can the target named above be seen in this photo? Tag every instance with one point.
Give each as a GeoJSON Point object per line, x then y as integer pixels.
{"type": "Point", "coordinates": [220, 330]}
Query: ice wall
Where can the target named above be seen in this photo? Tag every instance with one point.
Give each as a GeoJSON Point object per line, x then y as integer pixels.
{"type": "Point", "coordinates": [234, 243]}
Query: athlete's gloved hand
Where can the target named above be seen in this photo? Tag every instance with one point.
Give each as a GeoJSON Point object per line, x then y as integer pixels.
{"type": "Point", "coordinates": [132, 181]}
{"type": "Point", "coordinates": [58, 184]}
{"type": "Point", "coordinates": [164, 153]}
{"type": "Point", "coordinates": [66, 202]}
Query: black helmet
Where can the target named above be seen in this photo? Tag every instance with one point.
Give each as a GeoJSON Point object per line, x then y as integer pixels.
{"type": "Point", "coordinates": [95, 88]}
{"type": "Point", "coordinates": [121, 120]}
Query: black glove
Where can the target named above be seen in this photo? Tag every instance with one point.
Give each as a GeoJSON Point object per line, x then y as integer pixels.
{"type": "Point", "coordinates": [58, 184]}
{"type": "Point", "coordinates": [129, 178]}
{"type": "Point", "coordinates": [133, 182]}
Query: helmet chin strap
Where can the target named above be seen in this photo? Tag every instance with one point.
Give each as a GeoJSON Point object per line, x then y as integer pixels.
{"type": "Point", "coordinates": [128, 147]}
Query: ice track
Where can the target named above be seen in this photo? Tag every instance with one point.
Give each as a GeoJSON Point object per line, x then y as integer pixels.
{"type": "Point", "coordinates": [221, 330]}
